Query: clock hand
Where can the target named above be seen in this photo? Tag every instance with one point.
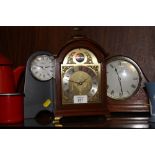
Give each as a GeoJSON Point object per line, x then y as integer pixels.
{"type": "Point", "coordinates": [74, 82]}
{"type": "Point", "coordinates": [80, 83]}
{"type": "Point", "coordinates": [84, 80]}
{"type": "Point", "coordinates": [49, 66]}
{"type": "Point", "coordinates": [46, 66]}
{"type": "Point", "coordinates": [119, 79]}
{"type": "Point", "coordinates": [39, 66]}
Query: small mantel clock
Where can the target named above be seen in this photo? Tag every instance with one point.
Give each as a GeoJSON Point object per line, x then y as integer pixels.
{"type": "Point", "coordinates": [39, 84]}
{"type": "Point", "coordinates": [81, 79]}
{"type": "Point", "coordinates": [125, 85]}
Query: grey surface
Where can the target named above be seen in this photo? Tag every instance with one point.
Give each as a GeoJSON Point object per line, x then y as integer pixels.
{"type": "Point", "coordinates": [37, 92]}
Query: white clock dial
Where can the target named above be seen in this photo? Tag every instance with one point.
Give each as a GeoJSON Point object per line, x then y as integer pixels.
{"type": "Point", "coordinates": [43, 67]}
{"type": "Point", "coordinates": [123, 79]}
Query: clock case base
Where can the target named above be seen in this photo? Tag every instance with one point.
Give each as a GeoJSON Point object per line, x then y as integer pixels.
{"type": "Point", "coordinates": [84, 109]}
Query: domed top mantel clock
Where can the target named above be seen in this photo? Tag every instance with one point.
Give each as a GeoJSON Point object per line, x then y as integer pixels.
{"type": "Point", "coordinates": [80, 79]}
{"type": "Point", "coordinates": [125, 85]}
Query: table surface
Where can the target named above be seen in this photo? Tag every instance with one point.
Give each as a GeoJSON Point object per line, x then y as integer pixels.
{"type": "Point", "coordinates": [115, 121]}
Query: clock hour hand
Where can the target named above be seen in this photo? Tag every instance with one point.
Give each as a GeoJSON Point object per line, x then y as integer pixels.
{"type": "Point", "coordinates": [74, 81]}
{"type": "Point", "coordinates": [38, 66]}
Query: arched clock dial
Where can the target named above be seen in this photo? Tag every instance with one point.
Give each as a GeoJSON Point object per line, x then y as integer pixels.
{"type": "Point", "coordinates": [80, 76]}
{"type": "Point", "coordinates": [123, 79]}
{"type": "Point", "coordinates": [42, 67]}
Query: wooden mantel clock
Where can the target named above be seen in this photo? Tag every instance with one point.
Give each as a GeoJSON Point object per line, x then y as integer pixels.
{"type": "Point", "coordinates": [125, 85]}
{"type": "Point", "coordinates": [80, 79]}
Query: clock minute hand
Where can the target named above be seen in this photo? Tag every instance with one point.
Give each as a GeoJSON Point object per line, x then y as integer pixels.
{"type": "Point", "coordinates": [83, 81]}
{"type": "Point", "coordinates": [119, 79]}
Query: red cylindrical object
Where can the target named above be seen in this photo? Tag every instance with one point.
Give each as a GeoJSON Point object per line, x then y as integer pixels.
{"type": "Point", "coordinates": [11, 108]}
{"type": "Point", "coordinates": [7, 83]}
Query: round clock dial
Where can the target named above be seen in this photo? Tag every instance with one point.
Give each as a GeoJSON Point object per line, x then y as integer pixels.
{"type": "Point", "coordinates": [123, 78]}
{"type": "Point", "coordinates": [80, 80]}
{"type": "Point", "coordinates": [43, 67]}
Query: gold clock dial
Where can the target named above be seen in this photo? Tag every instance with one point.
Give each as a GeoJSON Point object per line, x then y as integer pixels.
{"type": "Point", "coordinates": [79, 80]}
{"type": "Point", "coordinates": [80, 83]}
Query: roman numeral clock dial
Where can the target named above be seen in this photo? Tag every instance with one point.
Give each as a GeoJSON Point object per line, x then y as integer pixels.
{"type": "Point", "coordinates": [124, 84]}
{"type": "Point", "coordinates": [122, 78]}
{"type": "Point", "coordinates": [42, 67]}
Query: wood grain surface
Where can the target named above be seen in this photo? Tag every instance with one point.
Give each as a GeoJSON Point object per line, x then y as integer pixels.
{"type": "Point", "coordinates": [138, 43]}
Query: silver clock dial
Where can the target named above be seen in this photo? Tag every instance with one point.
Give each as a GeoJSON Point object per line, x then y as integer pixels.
{"type": "Point", "coordinates": [123, 79]}
{"type": "Point", "coordinates": [43, 67]}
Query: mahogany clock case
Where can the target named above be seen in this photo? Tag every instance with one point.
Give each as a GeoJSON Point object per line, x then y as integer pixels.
{"type": "Point", "coordinates": [138, 102]}
{"type": "Point", "coordinates": [86, 108]}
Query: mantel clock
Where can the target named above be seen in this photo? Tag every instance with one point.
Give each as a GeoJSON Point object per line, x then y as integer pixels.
{"type": "Point", "coordinates": [125, 85]}
{"type": "Point", "coordinates": [81, 79]}
{"type": "Point", "coordinates": [39, 84]}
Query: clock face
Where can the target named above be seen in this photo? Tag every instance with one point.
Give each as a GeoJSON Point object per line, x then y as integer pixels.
{"type": "Point", "coordinates": [80, 80]}
{"type": "Point", "coordinates": [80, 77]}
{"type": "Point", "coordinates": [123, 79]}
{"type": "Point", "coordinates": [43, 67]}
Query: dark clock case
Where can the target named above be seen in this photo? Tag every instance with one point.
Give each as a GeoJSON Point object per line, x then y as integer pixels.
{"type": "Point", "coordinates": [37, 93]}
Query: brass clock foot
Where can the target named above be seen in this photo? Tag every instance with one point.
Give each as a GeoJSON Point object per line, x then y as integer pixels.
{"type": "Point", "coordinates": [56, 122]}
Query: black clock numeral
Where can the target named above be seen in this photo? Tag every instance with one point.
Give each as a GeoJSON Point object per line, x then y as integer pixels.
{"type": "Point", "coordinates": [91, 73]}
{"type": "Point", "coordinates": [120, 94]}
{"type": "Point", "coordinates": [128, 92]}
{"type": "Point", "coordinates": [33, 68]}
{"type": "Point", "coordinates": [111, 66]}
{"type": "Point", "coordinates": [112, 92]}
{"type": "Point", "coordinates": [135, 78]}
{"type": "Point", "coordinates": [119, 63]}
{"type": "Point", "coordinates": [94, 83]}
{"type": "Point", "coordinates": [133, 86]}
{"type": "Point", "coordinates": [48, 74]}
{"type": "Point", "coordinates": [92, 90]}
